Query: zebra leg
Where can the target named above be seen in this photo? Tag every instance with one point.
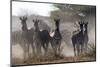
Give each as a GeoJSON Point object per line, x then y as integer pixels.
{"type": "Point", "coordinates": [33, 49]}
{"type": "Point", "coordinates": [46, 46]}
{"type": "Point", "coordinates": [52, 45]}
{"type": "Point", "coordinates": [54, 48]}
{"type": "Point", "coordinates": [74, 50]}
{"type": "Point", "coordinates": [86, 48]}
{"type": "Point", "coordinates": [28, 51]}
{"type": "Point", "coordinates": [82, 48]}
{"type": "Point", "coordinates": [38, 48]}
{"type": "Point", "coordinates": [78, 49]}
{"type": "Point", "coordinates": [25, 53]}
{"type": "Point", "coordinates": [59, 51]}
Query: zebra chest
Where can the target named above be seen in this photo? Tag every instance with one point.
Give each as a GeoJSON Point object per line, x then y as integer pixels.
{"type": "Point", "coordinates": [57, 36]}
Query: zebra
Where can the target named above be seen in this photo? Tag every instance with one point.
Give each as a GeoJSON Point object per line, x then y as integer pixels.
{"type": "Point", "coordinates": [78, 40]}
{"type": "Point", "coordinates": [56, 38]}
{"type": "Point", "coordinates": [42, 38]}
{"type": "Point", "coordinates": [27, 37]}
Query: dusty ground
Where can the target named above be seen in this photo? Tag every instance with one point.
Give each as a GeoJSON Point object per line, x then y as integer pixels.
{"type": "Point", "coordinates": [53, 59]}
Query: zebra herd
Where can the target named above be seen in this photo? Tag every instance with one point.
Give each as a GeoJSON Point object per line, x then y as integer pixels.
{"type": "Point", "coordinates": [43, 38]}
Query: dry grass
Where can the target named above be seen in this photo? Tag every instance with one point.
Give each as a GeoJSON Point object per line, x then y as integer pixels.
{"type": "Point", "coordinates": [51, 58]}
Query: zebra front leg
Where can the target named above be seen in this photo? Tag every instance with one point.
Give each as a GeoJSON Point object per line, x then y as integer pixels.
{"type": "Point", "coordinates": [54, 49]}
{"type": "Point", "coordinates": [85, 48]}
{"type": "Point", "coordinates": [28, 50]}
{"type": "Point", "coordinates": [59, 50]}
{"type": "Point", "coordinates": [75, 52]}
{"type": "Point", "coordinates": [74, 49]}
{"type": "Point", "coordinates": [82, 49]}
{"type": "Point", "coordinates": [33, 49]}
{"type": "Point", "coordinates": [78, 49]}
{"type": "Point", "coordinates": [46, 48]}
{"type": "Point", "coordinates": [25, 53]}
{"type": "Point", "coordinates": [38, 47]}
